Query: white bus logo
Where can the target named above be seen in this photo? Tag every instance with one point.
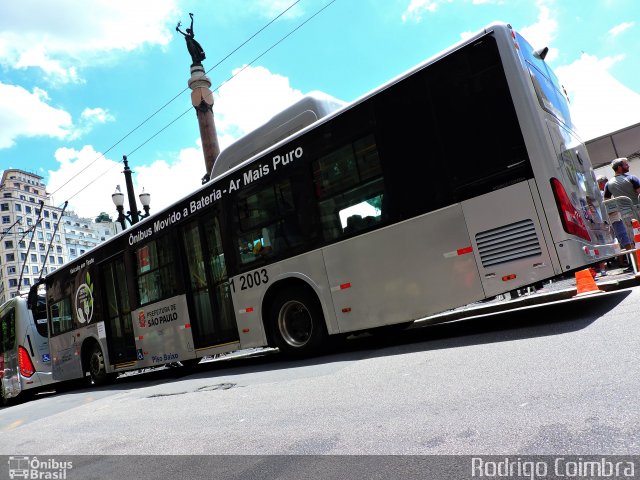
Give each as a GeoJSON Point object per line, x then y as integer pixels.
{"type": "Point", "coordinates": [18, 467]}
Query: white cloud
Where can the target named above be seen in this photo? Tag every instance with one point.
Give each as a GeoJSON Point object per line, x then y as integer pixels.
{"type": "Point", "coordinates": [27, 114]}
{"type": "Point", "coordinates": [618, 29]}
{"type": "Point", "coordinates": [542, 33]}
{"type": "Point", "coordinates": [252, 98]}
{"type": "Point", "coordinates": [65, 36]}
{"type": "Point", "coordinates": [417, 7]}
{"type": "Point", "coordinates": [89, 118]}
{"type": "Point", "coordinates": [600, 104]}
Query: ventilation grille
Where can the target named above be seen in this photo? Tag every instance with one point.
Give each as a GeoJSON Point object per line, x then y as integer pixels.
{"type": "Point", "coordinates": [508, 243]}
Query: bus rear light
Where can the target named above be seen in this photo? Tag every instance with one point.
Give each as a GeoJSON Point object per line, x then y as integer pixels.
{"type": "Point", "coordinates": [24, 361]}
{"type": "Point", "coordinates": [571, 219]}
{"type": "Point", "coordinates": [506, 278]}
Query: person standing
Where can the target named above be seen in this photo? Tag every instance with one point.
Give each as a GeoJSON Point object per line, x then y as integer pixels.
{"type": "Point", "coordinates": [623, 184]}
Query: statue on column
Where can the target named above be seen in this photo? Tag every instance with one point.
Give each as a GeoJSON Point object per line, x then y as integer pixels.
{"type": "Point", "coordinates": [195, 50]}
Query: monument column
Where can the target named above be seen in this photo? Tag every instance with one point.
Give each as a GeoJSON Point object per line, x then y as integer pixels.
{"type": "Point", "coordinates": [201, 99]}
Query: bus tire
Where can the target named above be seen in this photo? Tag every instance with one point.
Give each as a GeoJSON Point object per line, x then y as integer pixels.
{"type": "Point", "coordinates": [297, 323]}
{"type": "Point", "coordinates": [97, 367]}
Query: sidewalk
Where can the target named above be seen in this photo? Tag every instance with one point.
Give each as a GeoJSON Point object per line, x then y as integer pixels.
{"type": "Point", "coordinates": [558, 289]}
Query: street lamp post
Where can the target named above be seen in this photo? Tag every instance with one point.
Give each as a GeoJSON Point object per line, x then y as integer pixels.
{"type": "Point", "coordinates": [133, 215]}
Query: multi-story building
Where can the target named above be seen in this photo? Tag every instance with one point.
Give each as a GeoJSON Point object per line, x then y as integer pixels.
{"type": "Point", "coordinates": [82, 234]}
{"type": "Point", "coordinates": [30, 245]}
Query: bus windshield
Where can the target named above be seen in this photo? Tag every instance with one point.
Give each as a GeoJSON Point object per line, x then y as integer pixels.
{"type": "Point", "coordinates": [548, 89]}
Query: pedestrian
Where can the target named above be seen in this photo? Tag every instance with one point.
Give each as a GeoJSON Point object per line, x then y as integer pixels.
{"type": "Point", "coordinates": [623, 184]}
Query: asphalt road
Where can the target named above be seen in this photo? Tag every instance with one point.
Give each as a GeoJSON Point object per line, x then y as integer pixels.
{"type": "Point", "coordinates": [544, 380]}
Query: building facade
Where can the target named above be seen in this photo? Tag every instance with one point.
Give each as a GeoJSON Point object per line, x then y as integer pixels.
{"type": "Point", "coordinates": [82, 234]}
{"type": "Point", "coordinates": [30, 244]}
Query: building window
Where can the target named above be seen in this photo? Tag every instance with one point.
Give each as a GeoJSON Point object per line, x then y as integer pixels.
{"type": "Point", "coordinates": [4, 207]}
{"type": "Point", "coordinates": [34, 269]}
{"type": "Point", "coordinates": [58, 249]}
{"type": "Point", "coordinates": [34, 257]}
{"type": "Point", "coordinates": [26, 282]}
{"type": "Point", "coordinates": [11, 270]}
{"type": "Point", "coordinates": [60, 261]}
{"type": "Point", "coordinates": [22, 244]}
{"type": "Point", "coordinates": [8, 244]}
{"type": "Point", "coordinates": [46, 214]}
{"type": "Point", "coordinates": [72, 251]}
{"type": "Point", "coordinates": [10, 257]}
{"type": "Point", "coordinates": [27, 209]}
{"type": "Point", "coordinates": [47, 225]}
{"type": "Point", "coordinates": [7, 195]}
{"type": "Point", "coordinates": [55, 215]}
{"type": "Point", "coordinates": [6, 219]}
{"type": "Point", "coordinates": [52, 259]}
{"type": "Point", "coordinates": [18, 207]}
{"type": "Point", "coordinates": [29, 221]}
{"type": "Point", "coordinates": [13, 282]}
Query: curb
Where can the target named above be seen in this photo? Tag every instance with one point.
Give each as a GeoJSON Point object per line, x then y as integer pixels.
{"type": "Point", "coordinates": [527, 301]}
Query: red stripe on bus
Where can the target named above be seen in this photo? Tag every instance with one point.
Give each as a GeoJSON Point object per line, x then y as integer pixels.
{"type": "Point", "coordinates": [462, 251]}
{"type": "Point", "coordinates": [345, 285]}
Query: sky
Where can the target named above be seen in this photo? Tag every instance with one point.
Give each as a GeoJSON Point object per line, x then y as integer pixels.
{"type": "Point", "coordinates": [84, 83]}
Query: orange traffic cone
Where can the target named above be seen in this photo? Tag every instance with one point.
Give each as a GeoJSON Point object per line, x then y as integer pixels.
{"type": "Point", "coordinates": [585, 284]}
{"type": "Point", "coordinates": [636, 239]}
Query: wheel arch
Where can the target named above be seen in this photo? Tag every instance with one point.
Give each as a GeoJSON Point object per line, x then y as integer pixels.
{"type": "Point", "coordinates": [279, 286]}
{"type": "Point", "coordinates": [86, 350]}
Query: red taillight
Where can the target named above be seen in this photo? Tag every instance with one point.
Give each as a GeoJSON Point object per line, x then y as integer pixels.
{"type": "Point", "coordinates": [571, 219]}
{"type": "Point", "coordinates": [24, 361]}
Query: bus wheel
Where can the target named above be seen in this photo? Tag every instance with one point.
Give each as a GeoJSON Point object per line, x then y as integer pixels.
{"type": "Point", "coordinates": [297, 323]}
{"type": "Point", "coordinates": [97, 368]}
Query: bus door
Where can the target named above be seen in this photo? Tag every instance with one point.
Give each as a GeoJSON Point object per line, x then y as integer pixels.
{"type": "Point", "coordinates": [209, 297]}
{"type": "Point", "coordinates": [117, 311]}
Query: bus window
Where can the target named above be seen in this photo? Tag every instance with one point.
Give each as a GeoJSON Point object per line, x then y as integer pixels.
{"type": "Point", "coordinates": [156, 274]}
{"type": "Point", "coordinates": [7, 331]}
{"type": "Point", "coordinates": [268, 222]}
{"type": "Point", "coordinates": [350, 188]}
{"type": "Point", "coordinates": [60, 318]}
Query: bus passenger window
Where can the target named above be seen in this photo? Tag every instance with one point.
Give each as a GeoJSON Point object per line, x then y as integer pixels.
{"type": "Point", "coordinates": [60, 317]}
{"type": "Point", "coordinates": [350, 187]}
{"type": "Point", "coordinates": [156, 271]}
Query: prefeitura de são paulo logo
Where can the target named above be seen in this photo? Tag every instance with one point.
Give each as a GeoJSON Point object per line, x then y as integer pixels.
{"type": "Point", "coordinates": [84, 301]}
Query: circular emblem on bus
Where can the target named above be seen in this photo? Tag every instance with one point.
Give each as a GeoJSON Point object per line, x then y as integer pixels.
{"type": "Point", "coordinates": [84, 302]}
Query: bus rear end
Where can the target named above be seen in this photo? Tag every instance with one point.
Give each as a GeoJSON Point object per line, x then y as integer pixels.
{"type": "Point", "coordinates": [25, 364]}
{"type": "Point", "coordinates": [563, 172]}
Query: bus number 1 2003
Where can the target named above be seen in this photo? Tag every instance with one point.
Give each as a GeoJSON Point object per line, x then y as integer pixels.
{"type": "Point", "coordinates": [250, 280]}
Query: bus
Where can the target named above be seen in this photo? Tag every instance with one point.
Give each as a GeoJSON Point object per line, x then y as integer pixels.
{"type": "Point", "coordinates": [25, 361]}
{"type": "Point", "coordinates": [459, 180]}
